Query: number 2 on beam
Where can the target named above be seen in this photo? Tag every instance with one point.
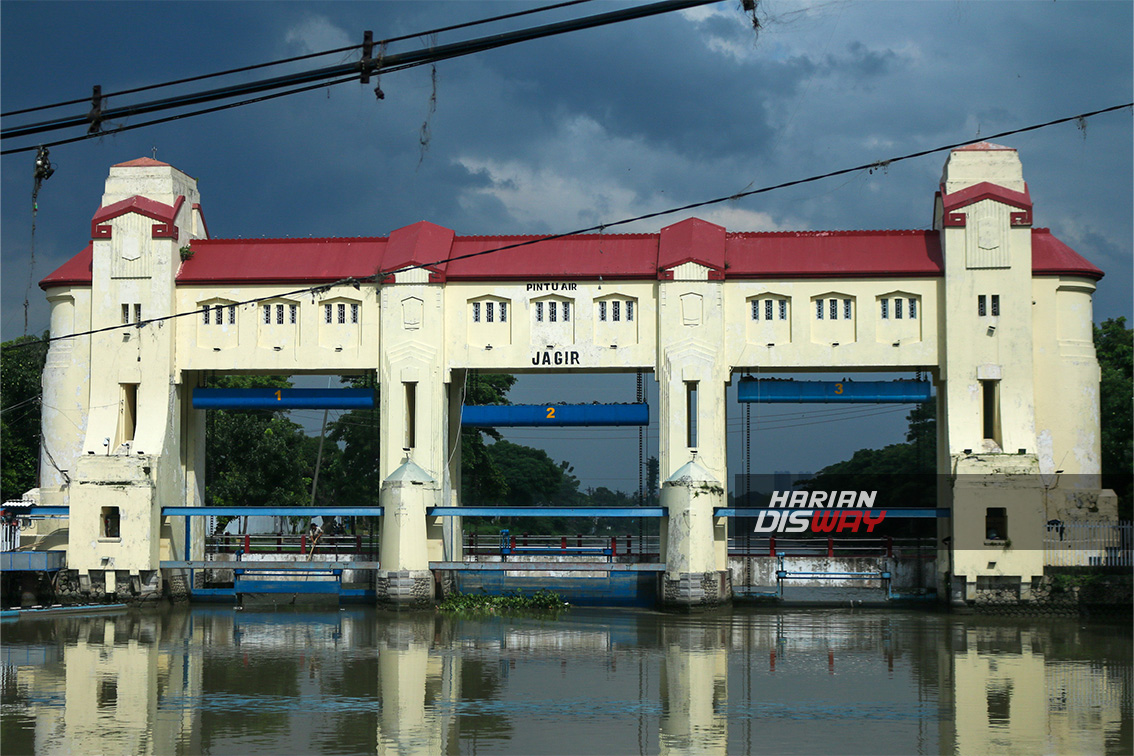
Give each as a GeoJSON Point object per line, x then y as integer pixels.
{"type": "Point", "coordinates": [550, 413]}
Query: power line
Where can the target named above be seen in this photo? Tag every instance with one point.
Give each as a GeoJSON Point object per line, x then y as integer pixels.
{"type": "Point", "coordinates": [297, 58]}
{"type": "Point", "coordinates": [360, 68]}
{"type": "Point", "coordinates": [381, 275]}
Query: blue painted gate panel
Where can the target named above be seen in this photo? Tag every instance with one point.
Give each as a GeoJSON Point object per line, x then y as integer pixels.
{"type": "Point", "coordinates": [527, 415]}
{"type": "Point", "coordinates": [281, 399]}
{"type": "Point", "coordinates": [833, 392]}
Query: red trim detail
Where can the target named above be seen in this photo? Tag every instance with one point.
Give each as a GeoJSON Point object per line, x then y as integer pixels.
{"type": "Point", "coordinates": [986, 190]}
{"type": "Point", "coordinates": [168, 230]}
{"type": "Point", "coordinates": [954, 220]}
{"type": "Point", "coordinates": [164, 214]}
{"type": "Point", "coordinates": [197, 207]}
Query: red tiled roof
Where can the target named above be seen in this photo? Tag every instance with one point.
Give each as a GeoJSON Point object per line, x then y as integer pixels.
{"type": "Point", "coordinates": [74, 272]}
{"type": "Point", "coordinates": [1051, 257]}
{"type": "Point", "coordinates": [142, 162]}
{"type": "Point", "coordinates": [267, 261]}
{"type": "Point", "coordinates": [833, 254]}
{"type": "Point", "coordinates": [764, 255]}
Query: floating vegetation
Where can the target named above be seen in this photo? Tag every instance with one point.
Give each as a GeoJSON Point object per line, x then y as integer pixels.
{"type": "Point", "coordinates": [542, 601]}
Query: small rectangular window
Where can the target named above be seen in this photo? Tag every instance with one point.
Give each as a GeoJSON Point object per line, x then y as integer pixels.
{"type": "Point", "coordinates": [354, 313]}
{"type": "Point", "coordinates": [755, 309]}
{"type": "Point", "coordinates": [267, 313]}
{"type": "Point", "coordinates": [996, 524]}
{"type": "Point", "coordinates": [629, 309]}
{"type": "Point", "coordinates": [602, 310]}
{"type": "Point", "coordinates": [897, 308]}
{"type": "Point", "coordinates": [232, 314]}
{"type": "Point", "coordinates": [489, 312]}
{"type": "Point", "coordinates": [342, 313]}
{"type": "Point", "coordinates": [767, 309]}
{"type": "Point", "coordinates": [326, 313]}
{"type": "Point", "coordinates": [126, 314]}
{"type": "Point", "coordinates": [539, 312]}
{"type": "Point", "coordinates": [885, 309]}
{"type": "Point", "coordinates": [566, 311]}
{"type": "Point", "coordinates": [476, 312]}
{"type": "Point", "coordinates": [279, 314]}
{"type": "Point", "coordinates": [783, 309]}
{"type": "Point", "coordinates": [818, 309]}
{"type": "Point", "coordinates": [995, 305]}
{"type": "Point", "coordinates": [614, 311]}
{"type": "Point", "coordinates": [913, 308]}
{"type": "Point", "coordinates": [411, 415]}
{"type": "Point", "coordinates": [846, 309]}
{"type": "Point", "coordinates": [834, 309]}
{"type": "Point", "coordinates": [218, 314]}
{"type": "Point", "coordinates": [691, 414]}
{"type": "Point", "coordinates": [980, 305]}
{"type": "Point", "coordinates": [204, 311]}
{"type": "Point", "coordinates": [111, 522]}
{"type": "Point", "coordinates": [293, 312]}
{"type": "Point", "coordinates": [552, 312]}
{"type": "Point", "coordinates": [503, 312]}
{"type": "Point", "coordinates": [137, 313]}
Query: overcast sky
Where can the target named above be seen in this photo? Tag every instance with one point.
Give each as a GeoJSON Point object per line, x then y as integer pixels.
{"type": "Point", "coordinates": [589, 127]}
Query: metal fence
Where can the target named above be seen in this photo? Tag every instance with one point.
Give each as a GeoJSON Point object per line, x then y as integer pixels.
{"type": "Point", "coordinates": [1089, 544]}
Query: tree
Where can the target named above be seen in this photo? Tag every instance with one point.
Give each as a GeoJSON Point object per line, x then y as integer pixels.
{"type": "Point", "coordinates": [1114, 345]}
{"type": "Point", "coordinates": [256, 457]}
{"type": "Point", "coordinates": [21, 370]}
{"type": "Point", "coordinates": [349, 473]}
{"type": "Point", "coordinates": [482, 481]}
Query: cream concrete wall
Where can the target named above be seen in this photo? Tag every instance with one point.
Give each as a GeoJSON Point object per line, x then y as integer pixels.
{"type": "Point", "coordinates": [309, 345]}
{"type": "Point", "coordinates": [688, 329]}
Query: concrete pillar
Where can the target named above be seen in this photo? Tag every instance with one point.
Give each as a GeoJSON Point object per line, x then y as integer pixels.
{"type": "Point", "coordinates": [404, 578]}
{"type": "Point", "coordinates": [692, 375]}
{"type": "Point", "coordinates": [984, 214]}
{"type": "Point", "coordinates": [130, 461]}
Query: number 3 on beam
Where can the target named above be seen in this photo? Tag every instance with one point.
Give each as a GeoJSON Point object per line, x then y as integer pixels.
{"type": "Point", "coordinates": [838, 388]}
{"type": "Point", "coordinates": [550, 413]}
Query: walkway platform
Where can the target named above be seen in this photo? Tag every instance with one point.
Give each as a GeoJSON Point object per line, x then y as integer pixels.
{"type": "Point", "coordinates": [32, 561]}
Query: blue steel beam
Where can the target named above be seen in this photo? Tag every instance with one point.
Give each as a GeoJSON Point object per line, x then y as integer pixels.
{"type": "Point", "coordinates": [273, 511]}
{"type": "Point", "coordinates": [833, 392]}
{"type": "Point", "coordinates": [891, 512]}
{"type": "Point", "coordinates": [281, 399]}
{"type": "Point", "coordinates": [546, 512]}
{"type": "Point", "coordinates": [530, 415]}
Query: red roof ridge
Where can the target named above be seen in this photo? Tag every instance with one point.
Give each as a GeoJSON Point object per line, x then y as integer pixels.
{"type": "Point", "coordinates": [291, 239]}
{"type": "Point", "coordinates": [142, 162]}
{"type": "Point", "coordinates": [482, 237]}
{"type": "Point", "coordinates": [833, 232]}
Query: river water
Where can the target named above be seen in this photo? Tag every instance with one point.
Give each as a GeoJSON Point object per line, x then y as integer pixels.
{"type": "Point", "coordinates": [214, 680]}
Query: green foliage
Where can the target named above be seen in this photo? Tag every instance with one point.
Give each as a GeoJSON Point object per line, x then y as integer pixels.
{"type": "Point", "coordinates": [534, 479]}
{"type": "Point", "coordinates": [1114, 345]}
{"type": "Point", "coordinates": [20, 374]}
{"type": "Point", "coordinates": [480, 603]}
{"type": "Point", "coordinates": [256, 457]}
{"type": "Point", "coordinates": [482, 482]}
{"type": "Point", "coordinates": [349, 473]}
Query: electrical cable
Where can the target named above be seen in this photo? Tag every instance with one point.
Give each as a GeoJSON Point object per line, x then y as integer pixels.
{"type": "Point", "coordinates": [381, 275]}
{"type": "Point", "coordinates": [362, 68]}
{"type": "Point", "coordinates": [297, 58]}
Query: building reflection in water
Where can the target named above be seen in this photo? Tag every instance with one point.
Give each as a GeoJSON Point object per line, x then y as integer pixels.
{"type": "Point", "coordinates": [214, 680]}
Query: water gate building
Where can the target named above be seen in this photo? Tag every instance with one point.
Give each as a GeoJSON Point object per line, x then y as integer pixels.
{"type": "Point", "coordinates": [998, 312]}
